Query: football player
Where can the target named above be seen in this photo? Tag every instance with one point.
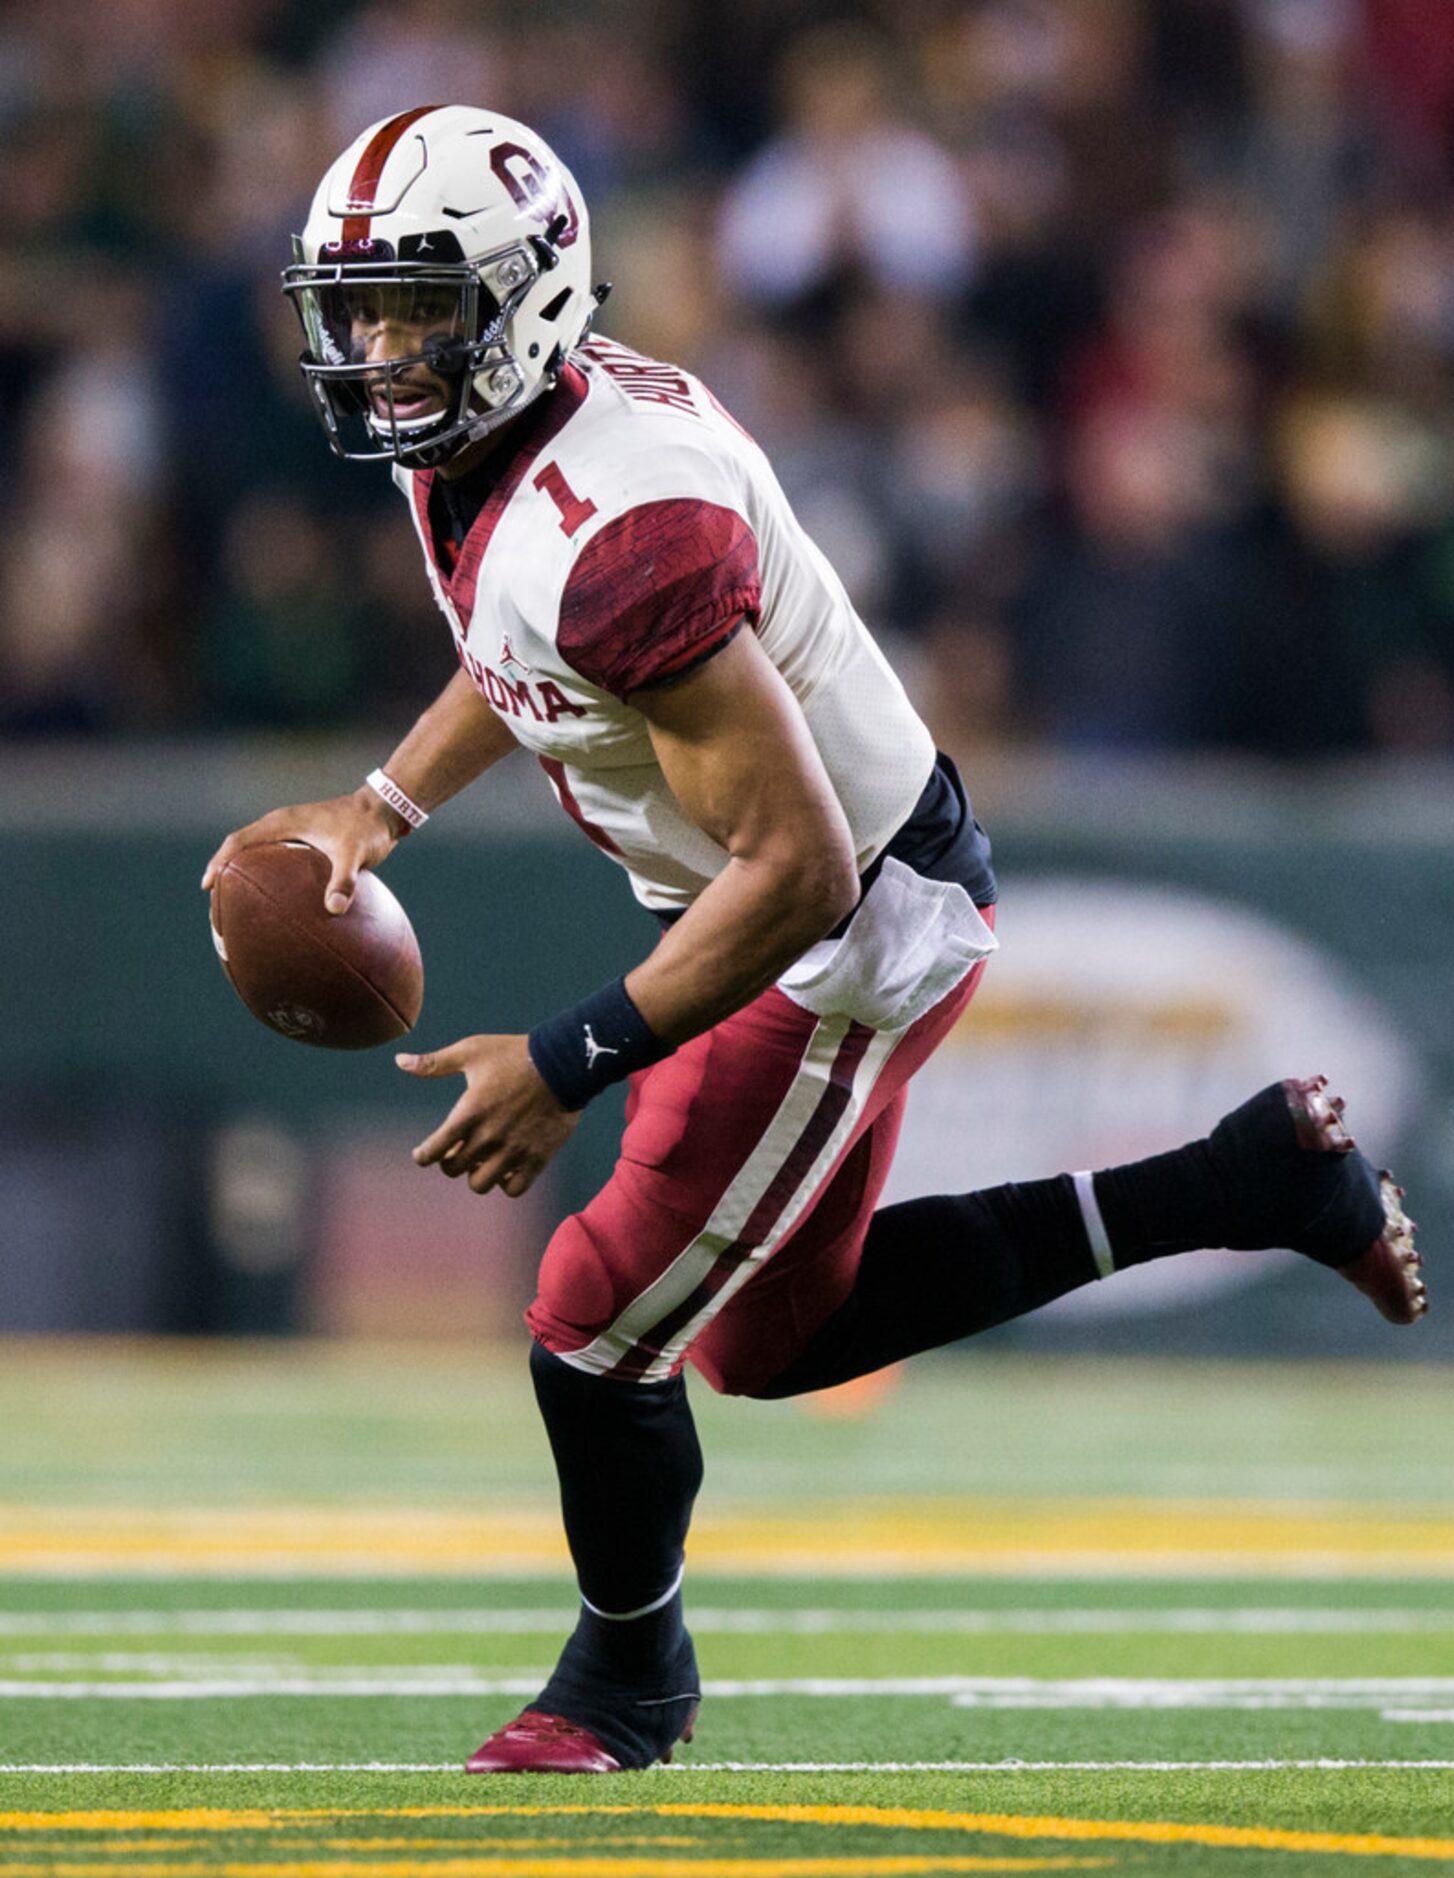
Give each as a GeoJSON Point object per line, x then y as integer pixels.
{"type": "Point", "coordinates": [632, 599]}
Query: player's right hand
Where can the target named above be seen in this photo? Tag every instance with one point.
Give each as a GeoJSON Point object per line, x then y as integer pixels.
{"type": "Point", "coordinates": [354, 832]}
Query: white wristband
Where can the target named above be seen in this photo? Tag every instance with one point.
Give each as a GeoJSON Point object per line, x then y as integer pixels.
{"type": "Point", "coordinates": [386, 788]}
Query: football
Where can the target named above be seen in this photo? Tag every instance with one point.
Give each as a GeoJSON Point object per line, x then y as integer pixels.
{"type": "Point", "coordinates": [343, 981]}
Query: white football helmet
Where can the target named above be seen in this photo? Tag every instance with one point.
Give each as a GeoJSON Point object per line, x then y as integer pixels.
{"type": "Point", "coordinates": [456, 233]}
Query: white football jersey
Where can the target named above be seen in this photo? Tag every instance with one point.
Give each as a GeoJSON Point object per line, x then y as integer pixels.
{"type": "Point", "coordinates": [633, 525]}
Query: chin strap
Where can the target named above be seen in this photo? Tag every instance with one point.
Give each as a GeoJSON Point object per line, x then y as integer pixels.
{"type": "Point", "coordinates": [431, 455]}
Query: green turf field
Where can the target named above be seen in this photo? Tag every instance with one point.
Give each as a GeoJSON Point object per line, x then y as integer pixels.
{"type": "Point", "coordinates": [257, 1606]}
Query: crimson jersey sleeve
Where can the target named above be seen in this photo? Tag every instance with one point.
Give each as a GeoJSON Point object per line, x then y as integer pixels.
{"type": "Point", "coordinates": [657, 590]}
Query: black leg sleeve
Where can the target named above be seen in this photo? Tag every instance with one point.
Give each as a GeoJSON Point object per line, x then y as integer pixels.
{"type": "Point", "coordinates": [629, 1465]}
{"type": "Point", "coordinates": [941, 1268]}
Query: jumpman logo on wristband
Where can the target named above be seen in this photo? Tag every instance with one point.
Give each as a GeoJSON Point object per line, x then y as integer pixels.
{"type": "Point", "coordinates": [594, 1049]}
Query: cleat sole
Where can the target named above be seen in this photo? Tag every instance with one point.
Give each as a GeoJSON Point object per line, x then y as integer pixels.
{"type": "Point", "coordinates": [1388, 1272]}
{"type": "Point", "coordinates": [688, 1730]}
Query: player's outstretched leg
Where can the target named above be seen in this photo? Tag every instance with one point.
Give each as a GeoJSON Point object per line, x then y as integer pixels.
{"type": "Point", "coordinates": [1281, 1170]}
{"type": "Point", "coordinates": [626, 1689]}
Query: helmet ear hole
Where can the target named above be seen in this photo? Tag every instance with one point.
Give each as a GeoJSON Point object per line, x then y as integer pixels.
{"type": "Point", "coordinates": [556, 307]}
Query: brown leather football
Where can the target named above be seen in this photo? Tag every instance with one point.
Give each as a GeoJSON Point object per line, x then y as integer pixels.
{"type": "Point", "coordinates": [345, 981]}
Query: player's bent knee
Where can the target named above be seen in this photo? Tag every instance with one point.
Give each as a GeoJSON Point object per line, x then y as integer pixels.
{"type": "Point", "coordinates": [577, 1295]}
{"type": "Point", "coordinates": [732, 1374]}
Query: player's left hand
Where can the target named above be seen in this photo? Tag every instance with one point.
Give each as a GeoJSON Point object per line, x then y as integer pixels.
{"type": "Point", "coordinates": [505, 1126]}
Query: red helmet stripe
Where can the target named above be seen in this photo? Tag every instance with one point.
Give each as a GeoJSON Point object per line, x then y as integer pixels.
{"type": "Point", "coordinates": [370, 166]}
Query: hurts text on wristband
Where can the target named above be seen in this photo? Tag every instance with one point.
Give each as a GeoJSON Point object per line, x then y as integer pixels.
{"type": "Point", "coordinates": [601, 1040]}
{"type": "Point", "coordinates": [389, 791]}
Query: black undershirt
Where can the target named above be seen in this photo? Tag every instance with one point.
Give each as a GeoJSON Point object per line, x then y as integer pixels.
{"type": "Point", "coordinates": [454, 508]}
{"type": "Point", "coordinates": [941, 839]}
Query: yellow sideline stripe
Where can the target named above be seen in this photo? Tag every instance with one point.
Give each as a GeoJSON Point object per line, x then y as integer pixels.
{"type": "Point", "coordinates": [895, 1865]}
{"type": "Point", "coordinates": [1000, 1825]}
{"type": "Point", "coordinates": [1149, 1831]}
{"type": "Point", "coordinates": [906, 1865]}
{"type": "Point", "coordinates": [968, 1534]}
{"type": "Point", "coordinates": [560, 1843]}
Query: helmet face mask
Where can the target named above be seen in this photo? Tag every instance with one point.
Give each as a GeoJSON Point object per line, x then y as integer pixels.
{"type": "Point", "coordinates": [441, 279]}
{"type": "Point", "coordinates": [419, 404]}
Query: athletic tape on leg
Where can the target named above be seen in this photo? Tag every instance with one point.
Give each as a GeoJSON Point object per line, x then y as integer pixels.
{"type": "Point", "coordinates": [645, 1610]}
{"type": "Point", "coordinates": [1095, 1226]}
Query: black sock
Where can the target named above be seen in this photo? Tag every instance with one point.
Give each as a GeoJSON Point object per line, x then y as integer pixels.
{"type": "Point", "coordinates": [636, 1702]}
{"type": "Point", "coordinates": [1251, 1183]}
{"type": "Point", "coordinates": [632, 1649]}
{"type": "Point", "coordinates": [1167, 1203]}
{"type": "Point", "coordinates": [941, 1268]}
{"type": "Point", "coordinates": [629, 1465]}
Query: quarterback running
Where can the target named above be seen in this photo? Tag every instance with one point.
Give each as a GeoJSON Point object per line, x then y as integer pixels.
{"type": "Point", "coordinates": [632, 599]}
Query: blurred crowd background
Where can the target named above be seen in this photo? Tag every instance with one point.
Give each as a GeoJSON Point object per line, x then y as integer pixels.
{"type": "Point", "coordinates": [1103, 344]}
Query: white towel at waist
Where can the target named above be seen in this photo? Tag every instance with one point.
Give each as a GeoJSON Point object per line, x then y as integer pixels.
{"type": "Point", "coordinates": [909, 943]}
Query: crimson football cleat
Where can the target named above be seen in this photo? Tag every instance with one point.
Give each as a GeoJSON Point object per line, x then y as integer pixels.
{"type": "Point", "coordinates": [1296, 1178]}
{"type": "Point", "coordinates": [1388, 1272]}
{"type": "Point", "coordinates": [536, 1743]}
{"type": "Point", "coordinates": [1385, 1270]}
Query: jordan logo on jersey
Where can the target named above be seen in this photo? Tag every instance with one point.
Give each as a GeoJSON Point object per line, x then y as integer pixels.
{"type": "Point", "coordinates": [516, 697]}
{"type": "Point", "coordinates": [594, 1049]}
{"type": "Point", "coordinates": [508, 654]}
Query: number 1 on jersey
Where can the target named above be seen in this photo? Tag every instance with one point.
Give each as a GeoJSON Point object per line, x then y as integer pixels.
{"type": "Point", "coordinates": [572, 510]}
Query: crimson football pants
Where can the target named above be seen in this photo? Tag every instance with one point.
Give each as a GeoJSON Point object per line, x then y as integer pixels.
{"type": "Point", "coordinates": [733, 1225]}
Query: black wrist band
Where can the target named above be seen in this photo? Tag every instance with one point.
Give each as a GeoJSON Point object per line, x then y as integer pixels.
{"type": "Point", "coordinates": [601, 1040]}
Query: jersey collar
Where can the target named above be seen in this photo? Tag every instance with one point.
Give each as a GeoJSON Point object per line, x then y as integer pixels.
{"type": "Point", "coordinates": [539, 427]}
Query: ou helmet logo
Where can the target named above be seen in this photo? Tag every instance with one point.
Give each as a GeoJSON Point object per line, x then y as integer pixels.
{"type": "Point", "coordinates": [535, 189]}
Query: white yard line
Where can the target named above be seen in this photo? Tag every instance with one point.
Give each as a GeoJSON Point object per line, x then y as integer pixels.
{"type": "Point", "coordinates": [428, 1682]}
{"type": "Point", "coordinates": [152, 1662]}
{"type": "Point", "coordinates": [1039, 1767]}
{"type": "Point", "coordinates": [237, 1767]}
{"type": "Point", "coordinates": [737, 1767]}
{"type": "Point", "coordinates": [1270, 1620]}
